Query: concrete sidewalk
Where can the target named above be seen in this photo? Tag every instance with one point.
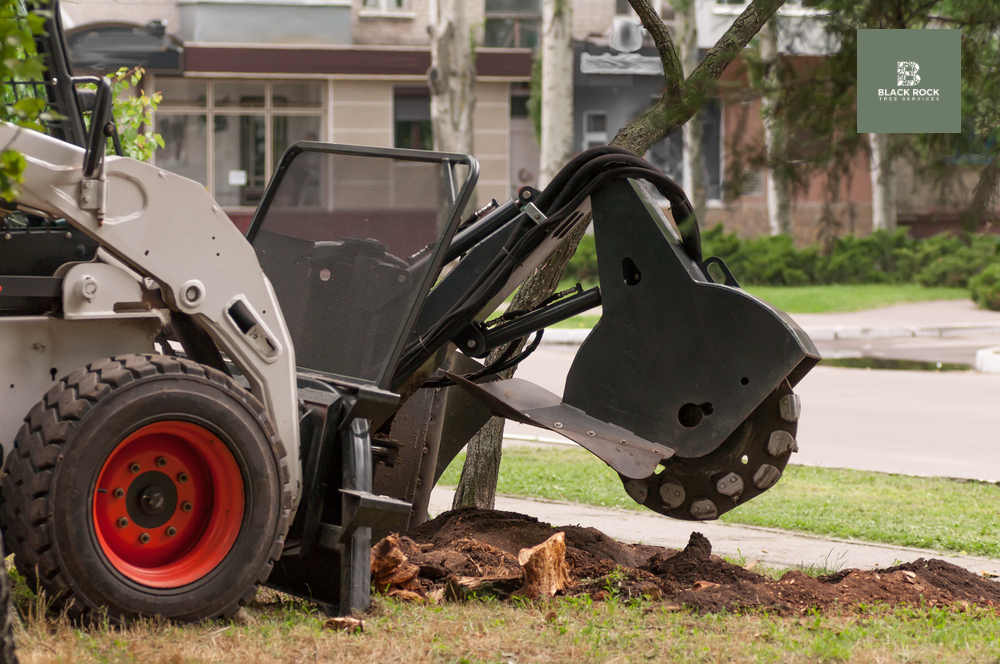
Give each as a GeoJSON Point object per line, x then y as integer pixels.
{"type": "Point", "coordinates": [769, 546]}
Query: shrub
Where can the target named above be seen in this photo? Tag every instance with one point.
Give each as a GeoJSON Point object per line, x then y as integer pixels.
{"type": "Point", "coordinates": [583, 266]}
{"type": "Point", "coordinates": [882, 257]}
{"type": "Point", "coordinates": [985, 287]}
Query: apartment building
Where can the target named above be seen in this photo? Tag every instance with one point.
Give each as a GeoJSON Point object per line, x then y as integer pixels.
{"type": "Point", "coordinates": [243, 79]}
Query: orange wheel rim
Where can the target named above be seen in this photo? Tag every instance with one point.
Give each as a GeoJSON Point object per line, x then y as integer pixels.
{"type": "Point", "coordinates": [168, 504]}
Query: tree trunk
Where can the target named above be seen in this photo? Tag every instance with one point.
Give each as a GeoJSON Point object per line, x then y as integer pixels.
{"type": "Point", "coordinates": [477, 486]}
{"type": "Point", "coordinates": [680, 101]}
{"type": "Point", "coordinates": [779, 206]}
{"type": "Point", "coordinates": [694, 152]}
{"type": "Point", "coordinates": [557, 88]}
{"type": "Point", "coordinates": [452, 77]}
{"type": "Point", "coordinates": [883, 185]}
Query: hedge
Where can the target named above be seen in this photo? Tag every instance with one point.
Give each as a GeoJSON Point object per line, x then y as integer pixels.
{"type": "Point", "coordinates": [880, 258]}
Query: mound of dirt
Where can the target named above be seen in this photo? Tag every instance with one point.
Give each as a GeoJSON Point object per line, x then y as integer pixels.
{"type": "Point", "coordinates": [471, 551]}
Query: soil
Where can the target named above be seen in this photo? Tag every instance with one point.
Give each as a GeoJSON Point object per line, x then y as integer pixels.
{"type": "Point", "coordinates": [474, 552]}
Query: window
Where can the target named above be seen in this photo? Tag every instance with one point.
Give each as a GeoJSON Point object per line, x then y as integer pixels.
{"type": "Point", "coordinates": [595, 129]}
{"type": "Point", "coordinates": [512, 23]}
{"type": "Point", "coordinates": [411, 110]}
{"type": "Point", "coordinates": [384, 5]}
{"type": "Point", "coordinates": [668, 154]}
{"type": "Point", "coordinates": [665, 10]}
{"type": "Point", "coordinates": [230, 134]}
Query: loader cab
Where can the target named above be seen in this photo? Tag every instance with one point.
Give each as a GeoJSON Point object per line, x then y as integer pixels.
{"type": "Point", "coordinates": [352, 239]}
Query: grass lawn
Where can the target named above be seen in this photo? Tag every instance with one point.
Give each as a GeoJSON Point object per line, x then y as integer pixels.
{"type": "Point", "coordinates": [560, 630]}
{"type": "Point", "coordinates": [826, 299]}
{"type": "Point", "coordinates": [932, 513]}
{"type": "Point", "coordinates": [838, 297]}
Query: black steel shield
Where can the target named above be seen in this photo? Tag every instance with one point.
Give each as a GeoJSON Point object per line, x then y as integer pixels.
{"type": "Point", "coordinates": [676, 357]}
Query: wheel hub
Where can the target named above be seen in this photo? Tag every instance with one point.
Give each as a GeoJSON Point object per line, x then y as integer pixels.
{"type": "Point", "coordinates": [168, 504]}
{"type": "Point", "coordinates": [151, 499]}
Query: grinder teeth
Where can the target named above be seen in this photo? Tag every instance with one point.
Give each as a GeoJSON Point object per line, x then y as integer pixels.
{"type": "Point", "coordinates": [749, 462]}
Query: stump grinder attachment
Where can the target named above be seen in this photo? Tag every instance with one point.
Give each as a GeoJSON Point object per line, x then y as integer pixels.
{"type": "Point", "coordinates": [192, 412]}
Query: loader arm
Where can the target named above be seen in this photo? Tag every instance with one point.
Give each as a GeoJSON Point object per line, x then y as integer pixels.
{"type": "Point", "coordinates": [169, 229]}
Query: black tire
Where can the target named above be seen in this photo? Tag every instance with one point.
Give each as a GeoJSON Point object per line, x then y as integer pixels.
{"type": "Point", "coordinates": [7, 654]}
{"type": "Point", "coordinates": [52, 511]}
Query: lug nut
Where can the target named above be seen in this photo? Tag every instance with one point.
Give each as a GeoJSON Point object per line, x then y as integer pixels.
{"type": "Point", "coordinates": [134, 468]}
{"type": "Point", "coordinates": [182, 478]}
{"type": "Point", "coordinates": [171, 531]}
{"type": "Point", "coordinates": [118, 493]}
{"type": "Point", "coordinates": [161, 462]}
{"type": "Point", "coordinates": [187, 507]}
{"type": "Point", "coordinates": [144, 538]}
{"type": "Point", "coordinates": [122, 522]}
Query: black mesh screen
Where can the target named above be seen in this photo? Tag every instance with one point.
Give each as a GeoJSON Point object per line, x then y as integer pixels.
{"type": "Point", "coordinates": [347, 242]}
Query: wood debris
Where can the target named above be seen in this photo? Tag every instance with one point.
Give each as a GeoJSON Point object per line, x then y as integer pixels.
{"type": "Point", "coordinates": [392, 573]}
{"type": "Point", "coordinates": [345, 624]}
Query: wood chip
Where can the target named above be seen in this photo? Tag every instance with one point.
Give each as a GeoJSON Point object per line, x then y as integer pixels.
{"type": "Point", "coordinates": [463, 587]}
{"type": "Point", "coordinates": [704, 585]}
{"type": "Point", "coordinates": [345, 624]}
{"type": "Point", "coordinates": [405, 595]}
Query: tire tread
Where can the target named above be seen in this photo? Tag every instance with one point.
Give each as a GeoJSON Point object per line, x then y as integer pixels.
{"type": "Point", "coordinates": [25, 511]}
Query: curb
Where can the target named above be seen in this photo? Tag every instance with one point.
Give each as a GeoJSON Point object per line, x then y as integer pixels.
{"type": "Point", "coordinates": [835, 332]}
{"type": "Point", "coordinates": [988, 360]}
{"type": "Point", "coordinates": [827, 333]}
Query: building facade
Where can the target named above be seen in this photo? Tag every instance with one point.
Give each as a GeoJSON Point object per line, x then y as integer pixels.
{"type": "Point", "coordinates": [243, 79]}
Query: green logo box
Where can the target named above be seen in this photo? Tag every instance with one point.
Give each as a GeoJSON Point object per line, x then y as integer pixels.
{"type": "Point", "coordinates": [909, 81]}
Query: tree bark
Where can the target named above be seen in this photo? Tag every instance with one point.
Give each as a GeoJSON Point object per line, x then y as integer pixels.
{"type": "Point", "coordinates": [557, 88]}
{"type": "Point", "coordinates": [779, 206]}
{"type": "Point", "coordinates": [452, 77]}
{"type": "Point", "coordinates": [681, 99]}
{"type": "Point", "coordinates": [694, 152]}
{"type": "Point", "coordinates": [883, 184]}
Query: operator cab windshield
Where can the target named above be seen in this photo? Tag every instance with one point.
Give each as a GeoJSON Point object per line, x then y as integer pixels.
{"type": "Point", "coordinates": [349, 238]}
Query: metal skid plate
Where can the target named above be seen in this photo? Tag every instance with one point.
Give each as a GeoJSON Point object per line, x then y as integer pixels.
{"type": "Point", "coordinates": [519, 400]}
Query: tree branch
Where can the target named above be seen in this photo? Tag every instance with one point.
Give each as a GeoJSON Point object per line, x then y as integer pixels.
{"type": "Point", "coordinates": [669, 113]}
{"type": "Point", "coordinates": [734, 41]}
{"type": "Point", "coordinates": [673, 71]}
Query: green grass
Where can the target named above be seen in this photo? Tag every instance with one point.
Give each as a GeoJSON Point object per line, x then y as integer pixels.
{"type": "Point", "coordinates": [933, 513]}
{"type": "Point", "coordinates": [560, 630]}
{"type": "Point", "coordinates": [838, 297]}
{"type": "Point", "coordinates": [824, 299]}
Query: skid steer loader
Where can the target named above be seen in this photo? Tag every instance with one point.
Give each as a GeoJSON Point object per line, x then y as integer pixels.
{"type": "Point", "coordinates": [186, 413]}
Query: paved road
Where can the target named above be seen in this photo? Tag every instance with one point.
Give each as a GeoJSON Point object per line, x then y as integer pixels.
{"type": "Point", "coordinates": [912, 422]}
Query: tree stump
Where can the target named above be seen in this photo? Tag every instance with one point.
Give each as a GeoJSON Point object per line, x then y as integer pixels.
{"type": "Point", "coordinates": [545, 571]}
